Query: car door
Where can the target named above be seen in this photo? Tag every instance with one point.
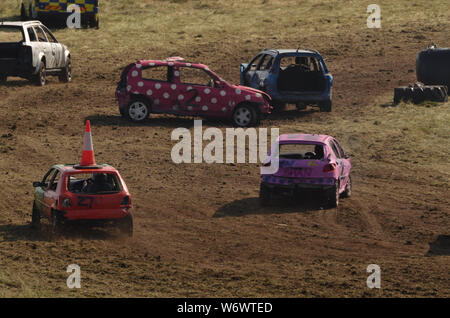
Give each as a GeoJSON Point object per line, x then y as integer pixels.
{"type": "Point", "coordinates": [250, 72]}
{"type": "Point", "coordinates": [40, 191]}
{"type": "Point", "coordinates": [34, 43]}
{"type": "Point", "coordinates": [344, 162]}
{"type": "Point", "coordinates": [56, 49]}
{"type": "Point", "coordinates": [198, 93]}
{"type": "Point", "coordinates": [262, 72]}
{"type": "Point", "coordinates": [51, 194]}
{"type": "Point", "coordinates": [158, 83]}
{"type": "Point", "coordinates": [45, 47]}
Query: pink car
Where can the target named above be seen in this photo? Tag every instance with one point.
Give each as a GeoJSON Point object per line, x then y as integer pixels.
{"type": "Point", "coordinates": [308, 161]}
{"type": "Point", "coordinates": [174, 86]}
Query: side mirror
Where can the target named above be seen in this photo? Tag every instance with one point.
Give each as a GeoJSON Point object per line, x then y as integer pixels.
{"type": "Point", "coordinates": [347, 156]}
{"type": "Point", "coordinates": [37, 184]}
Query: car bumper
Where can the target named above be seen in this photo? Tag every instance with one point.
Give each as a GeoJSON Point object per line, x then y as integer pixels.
{"type": "Point", "coordinates": [14, 68]}
{"type": "Point", "coordinates": [123, 99]}
{"type": "Point", "coordinates": [300, 183]}
{"type": "Point", "coordinates": [94, 214]}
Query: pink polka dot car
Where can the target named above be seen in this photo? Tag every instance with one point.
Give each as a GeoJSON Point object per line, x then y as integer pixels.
{"type": "Point", "coordinates": [174, 86]}
{"type": "Point", "coordinates": [307, 162]}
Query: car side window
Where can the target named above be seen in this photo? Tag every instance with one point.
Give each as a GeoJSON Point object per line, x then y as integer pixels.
{"type": "Point", "coordinates": [335, 150]}
{"type": "Point", "coordinates": [339, 148]}
{"type": "Point", "coordinates": [157, 73]}
{"type": "Point", "coordinates": [40, 34]}
{"type": "Point", "coordinates": [254, 64]}
{"type": "Point", "coordinates": [49, 35]}
{"type": "Point", "coordinates": [195, 76]}
{"type": "Point", "coordinates": [54, 181]}
{"type": "Point", "coordinates": [31, 34]}
{"type": "Point", "coordinates": [46, 179]}
{"type": "Point", "coordinates": [265, 63]}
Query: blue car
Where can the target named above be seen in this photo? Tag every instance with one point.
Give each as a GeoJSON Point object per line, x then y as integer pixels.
{"type": "Point", "coordinates": [298, 77]}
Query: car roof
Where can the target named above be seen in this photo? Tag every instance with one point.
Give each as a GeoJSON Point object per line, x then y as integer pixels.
{"type": "Point", "coordinates": [286, 138]}
{"type": "Point", "coordinates": [72, 168]}
{"type": "Point", "coordinates": [18, 23]}
{"type": "Point", "coordinates": [170, 62]}
{"type": "Point", "coordinates": [289, 51]}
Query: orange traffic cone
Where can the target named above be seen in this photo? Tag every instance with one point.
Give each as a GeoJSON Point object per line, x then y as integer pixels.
{"type": "Point", "coordinates": [87, 157]}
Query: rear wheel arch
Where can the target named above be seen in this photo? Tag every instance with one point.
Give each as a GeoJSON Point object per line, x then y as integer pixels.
{"type": "Point", "coordinates": [138, 98]}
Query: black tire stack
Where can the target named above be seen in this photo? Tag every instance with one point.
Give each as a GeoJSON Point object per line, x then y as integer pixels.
{"type": "Point", "coordinates": [419, 93]}
{"type": "Point", "coordinates": [433, 76]}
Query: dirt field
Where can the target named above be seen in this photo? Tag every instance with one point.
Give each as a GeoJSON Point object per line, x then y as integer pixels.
{"type": "Point", "coordinates": [199, 230]}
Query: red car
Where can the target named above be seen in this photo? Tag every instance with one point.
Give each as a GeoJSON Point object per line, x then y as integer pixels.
{"type": "Point", "coordinates": [85, 192]}
{"type": "Point", "coordinates": [174, 86]}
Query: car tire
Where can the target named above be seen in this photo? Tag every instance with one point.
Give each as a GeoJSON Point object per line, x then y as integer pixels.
{"type": "Point", "coordinates": [126, 225]}
{"type": "Point", "coordinates": [325, 106]}
{"type": "Point", "coordinates": [35, 218]}
{"type": "Point", "coordinates": [244, 116]}
{"type": "Point", "coordinates": [348, 188]}
{"type": "Point", "coordinates": [66, 72]}
{"type": "Point", "coordinates": [95, 22]}
{"type": "Point", "coordinates": [301, 106]}
{"type": "Point", "coordinates": [264, 195]}
{"type": "Point", "coordinates": [40, 78]}
{"type": "Point", "coordinates": [55, 224]}
{"type": "Point", "coordinates": [138, 110]}
{"type": "Point", "coordinates": [3, 79]}
{"type": "Point", "coordinates": [278, 107]}
{"type": "Point", "coordinates": [332, 196]}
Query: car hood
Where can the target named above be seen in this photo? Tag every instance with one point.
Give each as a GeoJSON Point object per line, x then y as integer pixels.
{"type": "Point", "coordinates": [252, 90]}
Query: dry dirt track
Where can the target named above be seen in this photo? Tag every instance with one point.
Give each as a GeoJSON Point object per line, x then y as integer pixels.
{"type": "Point", "coordinates": [199, 230]}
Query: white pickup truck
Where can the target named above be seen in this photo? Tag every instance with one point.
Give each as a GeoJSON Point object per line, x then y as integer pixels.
{"type": "Point", "coordinates": [29, 50]}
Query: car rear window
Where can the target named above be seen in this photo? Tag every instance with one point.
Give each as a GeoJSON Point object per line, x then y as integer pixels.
{"type": "Point", "coordinates": [301, 151]}
{"type": "Point", "coordinates": [94, 183]}
{"type": "Point", "coordinates": [11, 34]}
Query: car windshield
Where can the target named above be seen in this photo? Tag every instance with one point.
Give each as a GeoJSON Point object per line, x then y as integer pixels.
{"type": "Point", "coordinates": [10, 34]}
{"type": "Point", "coordinates": [94, 183]}
{"type": "Point", "coordinates": [301, 151]}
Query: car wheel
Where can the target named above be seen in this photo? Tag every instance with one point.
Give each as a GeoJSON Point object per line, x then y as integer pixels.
{"type": "Point", "coordinates": [55, 224]}
{"type": "Point", "coordinates": [264, 195]}
{"type": "Point", "coordinates": [300, 106]}
{"type": "Point", "coordinates": [138, 110]}
{"type": "Point", "coordinates": [66, 72]}
{"type": "Point", "coordinates": [94, 22]}
{"type": "Point", "coordinates": [35, 218]}
{"type": "Point", "coordinates": [41, 77]}
{"type": "Point", "coordinates": [332, 196]}
{"type": "Point", "coordinates": [126, 225]}
{"type": "Point", "coordinates": [348, 188]}
{"type": "Point", "coordinates": [244, 116]}
{"type": "Point", "coordinates": [325, 106]}
{"type": "Point", "coordinates": [3, 79]}
{"type": "Point", "coordinates": [278, 107]}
